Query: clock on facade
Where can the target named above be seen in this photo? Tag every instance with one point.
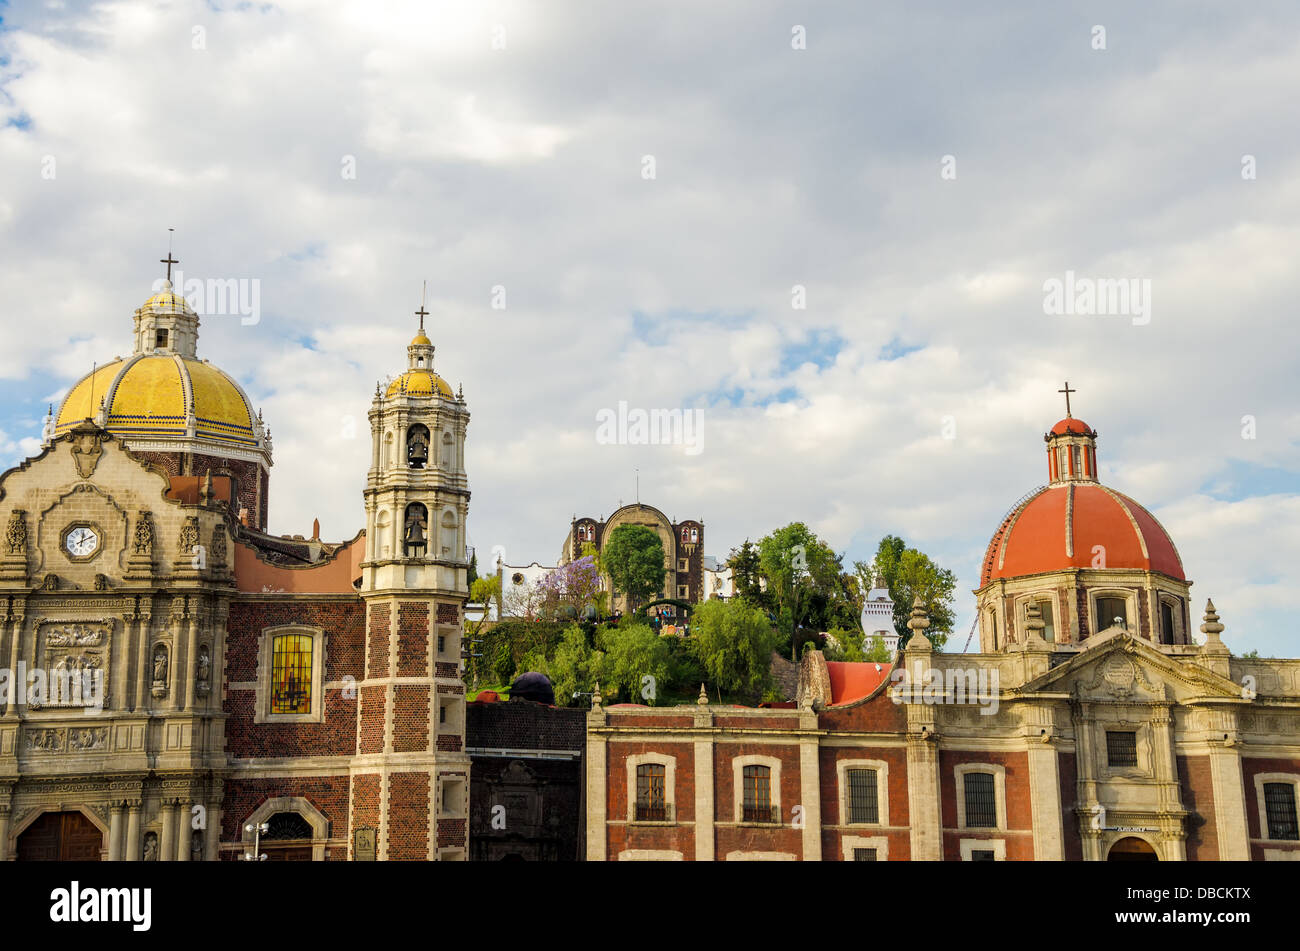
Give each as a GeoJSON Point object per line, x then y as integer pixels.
{"type": "Point", "coordinates": [81, 542]}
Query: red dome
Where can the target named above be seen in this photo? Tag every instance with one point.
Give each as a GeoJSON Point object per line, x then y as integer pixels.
{"type": "Point", "coordinates": [1058, 527]}
{"type": "Point", "coordinates": [1072, 425]}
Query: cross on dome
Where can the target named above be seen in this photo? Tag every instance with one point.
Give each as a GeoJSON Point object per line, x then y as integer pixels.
{"type": "Point", "coordinates": [1067, 391]}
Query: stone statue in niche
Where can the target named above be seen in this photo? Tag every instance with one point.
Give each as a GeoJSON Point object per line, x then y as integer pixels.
{"type": "Point", "coordinates": [101, 582]}
{"type": "Point", "coordinates": [16, 533]}
{"type": "Point", "coordinates": [160, 671]}
{"type": "Point", "coordinates": [196, 846]}
{"type": "Point", "coordinates": [417, 447]}
{"type": "Point", "coordinates": [143, 542]}
{"type": "Point", "coordinates": [417, 529]}
{"type": "Point", "coordinates": [51, 582]}
{"type": "Point", "coordinates": [151, 846]}
{"type": "Point", "coordinates": [204, 670]}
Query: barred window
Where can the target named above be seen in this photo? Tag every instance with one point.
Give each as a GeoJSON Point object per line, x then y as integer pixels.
{"type": "Point", "coordinates": [864, 805]}
{"type": "Point", "coordinates": [1279, 807]}
{"type": "Point", "coordinates": [982, 855]}
{"type": "Point", "coordinates": [1121, 748]}
{"type": "Point", "coordinates": [291, 673]}
{"type": "Point", "coordinates": [757, 802]}
{"type": "Point", "coordinates": [981, 801]}
{"type": "Point", "coordinates": [864, 855]}
{"type": "Point", "coordinates": [650, 802]}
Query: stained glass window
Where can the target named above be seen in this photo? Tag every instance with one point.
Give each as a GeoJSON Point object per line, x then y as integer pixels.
{"type": "Point", "coordinates": [291, 673]}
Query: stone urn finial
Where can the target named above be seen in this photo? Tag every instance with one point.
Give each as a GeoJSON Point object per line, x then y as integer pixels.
{"type": "Point", "coordinates": [917, 625]}
{"type": "Point", "coordinates": [596, 698]}
{"type": "Point", "coordinates": [703, 698]}
{"type": "Point", "coordinates": [1212, 628]}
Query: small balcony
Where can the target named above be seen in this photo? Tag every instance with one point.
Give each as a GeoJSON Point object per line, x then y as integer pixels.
{"type": "Point", "coordinates": [653, 812]}
{"type": "Point", "coordinates": [757, 813]}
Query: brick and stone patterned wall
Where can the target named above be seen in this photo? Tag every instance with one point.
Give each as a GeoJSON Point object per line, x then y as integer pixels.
{"type": "Point", "coordinates": [377, 640]}
{"type": "Point", "coordinates": [408, 817]}
{"type": "Point", "coordinates": [782, 837]}
{"type": "Point", "coordinates": [878, 715]}
{"type": "Point", "coordinates": [410, 718]}
{"type": "Point", "coordinates": [451, 833]}
{"type": "Point", "coordinates": [1019, 832]}
{"type": "Point", "coordinates": [894, 801]}
{"type": "Point", "coordinates": [412, 639]}
{"type": "Point", "coordinates": [1197, 787]}
{"type": "Point", "coordinates": [242, 797]}
{"type": "Point", "coordinates": [336, 735]}
{"type": "Point", "coordinates": [365, 802]}
{"type": "Point", "coordinates": [370, 724]}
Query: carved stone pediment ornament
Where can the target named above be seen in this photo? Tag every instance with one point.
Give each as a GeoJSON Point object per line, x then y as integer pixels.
{"type": "Point", "coordinates": [189, 539]}
{"type": "Point", "coordinates": [1121, 677]}
{"type": "Point", "coordinates": [16, 533]}
{"type": "Point", "coordinates": [142, 544]}
{"type": "Point", "coordinates": [86, 450]}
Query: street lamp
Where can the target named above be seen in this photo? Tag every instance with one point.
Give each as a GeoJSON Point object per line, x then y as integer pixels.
{"type": "Point", "coordinates": [257, 832]}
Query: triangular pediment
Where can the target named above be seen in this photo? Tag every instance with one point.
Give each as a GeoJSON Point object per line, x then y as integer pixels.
{"type": "Point", "coordinates": [1120, 668]}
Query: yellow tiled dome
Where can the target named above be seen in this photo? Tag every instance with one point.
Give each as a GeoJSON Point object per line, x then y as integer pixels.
{"type": "Point", "coordinates": [167, 301]}
{"type": "Point", "coordinates": [419, 383]}
{"type": "Point", "coordinates": [155, 395]}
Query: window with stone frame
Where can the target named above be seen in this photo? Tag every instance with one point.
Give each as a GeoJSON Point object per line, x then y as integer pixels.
{"type": "Point", "coordinates": [864, 855]}
{"type": "Point", "coordinates": [291, 673]}
{"type": "Point", "coordinates": [1280, 811]}
{"type": "Point", "coordinates": [1168, 629]}
{"type": "Point", "coordinates": [983, 855]}
{"type": "Point", "coordinates": [756, 801]}
{"type": "Point", "coordinates": [1110, 608]}
{"type": "Point", "coordinates": [863, 791]}
{"type": "Point", "coordinates": [651, 793]}
{"type": "Point", "coordinates": [1121, 748]}
{"type": "Point", "coordinates": [980, 793]}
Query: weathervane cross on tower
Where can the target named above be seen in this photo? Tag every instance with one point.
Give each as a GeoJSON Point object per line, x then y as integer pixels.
{"type": "Point", "coordinates": [1067, 391]}
{"type": "Point", "coordinates": [422, 313]}
{"type": "Point", "coordinates": [169, 260]}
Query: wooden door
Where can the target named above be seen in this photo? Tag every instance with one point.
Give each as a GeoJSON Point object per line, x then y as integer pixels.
{"type": "Point", "coordinates": [61, 837]}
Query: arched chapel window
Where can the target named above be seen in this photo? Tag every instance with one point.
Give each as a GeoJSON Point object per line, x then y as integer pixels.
{"type": "Point", "coordinates": [291, 673]}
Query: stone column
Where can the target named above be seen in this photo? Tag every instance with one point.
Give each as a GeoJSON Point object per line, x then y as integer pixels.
{"type": "Point", "coordinates": [191, 662]}
{"type": "Point", "coordinates": [167, 845]}
{"type": "Point", "coordinates": [924, 806]}
{"type": "Point", "coordinates": [212, 834]}
{"type": "Point", "coordinates": [1229, 801]}
{"type": "Point", "coordinates": [174, 662]}
{"type": "Point", "coordinates": [4, 833]}
{"type": "Point", "coordinates": [16, 688]}
{"type": "Point", "coordinates": [597, 794]}
{"type": "Point", "coordinates": [705, 810]}
{"type": "Point", "coordinates": [133, 830]}
{"type": "Point", "coordinates": [184, 834]}
{"type": "Point", "coordinates": [119, 688]}
{"type": "Point", "coordinates": [144, 664]}
{"type": "Point", "coordinates": [115, 831]}
{"type": "Point", "coordinates": [810, 792]}
{"type": "Point", "coordinates": [1045, 801]}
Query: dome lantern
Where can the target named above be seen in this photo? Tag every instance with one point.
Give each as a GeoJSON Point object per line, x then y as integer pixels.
{"type": "Point", "coordinates": [1071, 448]}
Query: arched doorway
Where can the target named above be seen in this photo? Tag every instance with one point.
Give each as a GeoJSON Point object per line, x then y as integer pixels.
{"type": "Point", "coordinates": [287, 838]}
{"type": "Point", "coordinates": [61, 837]}
{"type": "Point", "coordinates": [1132, 849]}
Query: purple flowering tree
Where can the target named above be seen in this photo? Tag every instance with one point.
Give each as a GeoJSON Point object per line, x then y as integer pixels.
{"type": "Point", "coordinates": [575, 585]}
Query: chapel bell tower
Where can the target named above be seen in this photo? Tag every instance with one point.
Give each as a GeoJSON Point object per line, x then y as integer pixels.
{"type": "Point", "coordinates": [411, 762]}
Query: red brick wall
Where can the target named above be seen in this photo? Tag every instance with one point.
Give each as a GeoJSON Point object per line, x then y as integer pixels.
{"type": "Point", "coordinates": [410, 718]}
{"type": "Point", "coordinates": [251, 483]}
{"type": "Point", "coordinates": [636, 721]}
{"type": "Point", "coordinates": [329, 794]}
{"type": "Point", "coordinates": [895, 797]}
{"type": "Point", "coordinates": [408, 817]}
{"type": "Point", "coordinates": [675, 838]}
{"type": "Point", "coordinates": [412, 639]}
{"type": "Point", "coordinates": [1019, 847]}
{"type": "Point", "coordinates": [768, 838]}
{"type": "Point", "coordinates": [379, 627]}
{"type": "Point", "coordinates": [1197, 786]}
{"type": "Point", "coordinates": [370, 727]}
{"type": "Point", "coordinates": [1065, 766]}
{"type": "Point", "coordinates": [878, 715]}
{"type": "Point", "coordinates": [336, 734]}
{"type": "Point", "coordinates": [448, 613]}
{"type": "Point", "coordinates": [1250, 768]}
{"type": "Point", "coordinates": [365, 802]}
{"type": "Point", "coordinates": [452, 833]}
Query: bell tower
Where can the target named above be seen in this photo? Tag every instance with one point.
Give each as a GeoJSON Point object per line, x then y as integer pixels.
{"type": "Point", "coordinates": [410, 778]}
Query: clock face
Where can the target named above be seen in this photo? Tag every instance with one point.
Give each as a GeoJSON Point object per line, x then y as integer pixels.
{"type": "Point", "coordinates": [81, 542]}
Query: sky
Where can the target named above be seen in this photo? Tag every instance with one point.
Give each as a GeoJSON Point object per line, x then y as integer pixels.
{"type": "Point", "coordinates": [828, 228]}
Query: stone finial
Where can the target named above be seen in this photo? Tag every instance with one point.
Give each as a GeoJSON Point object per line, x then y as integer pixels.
{"type": "Point", "coordinates": [596, 698]}
{"type": "Point", "coordinates": [703, 698]}
{"type": "Point", "coordinates": [206, 493]}
{"type": "Point", "coordinates": [1034, 623]}
{"type": "Point", "coordinates": [919, 621]}
{"type": "Point", "coordinates": [1212, 628]}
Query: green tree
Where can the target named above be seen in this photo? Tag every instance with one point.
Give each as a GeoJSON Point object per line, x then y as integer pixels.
{"type": "Point", "coordinates": [734, 641]}
{"type": "Point", "coordinates": [638, 663]}
{"type": "Point", "coordinates": [472, 574]}
{"type": "Point", "coordinates": [746, 574]}
{"type": "Point", "coordinates": [574, 667]}
{"type": "Point", "coordinates": [634, 558]}
{"type": "Point", "coordinates": [909, 574]}
{"type": "Point", "coordinates": [803, 578]}
{"type": "Point", "coordinates": [483, 591]}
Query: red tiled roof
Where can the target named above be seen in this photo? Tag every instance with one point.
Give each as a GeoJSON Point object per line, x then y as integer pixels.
{"type": "Point", "coordinates": [853, 681]}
